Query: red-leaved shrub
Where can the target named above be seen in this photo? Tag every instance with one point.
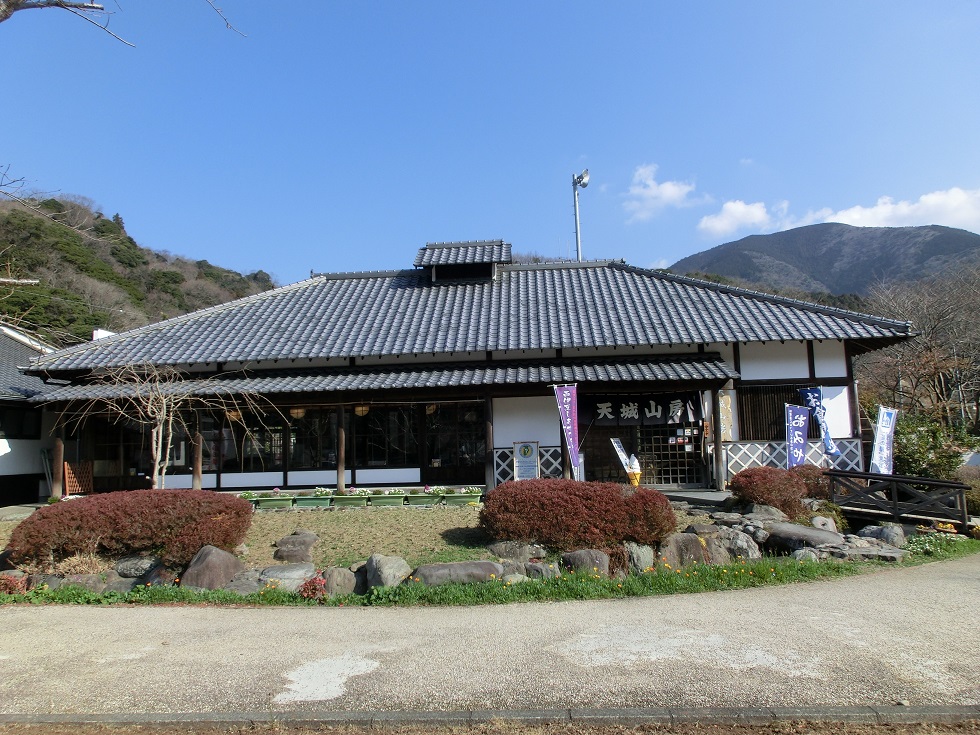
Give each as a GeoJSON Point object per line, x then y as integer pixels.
{"type": "Point", "coordinates": [173, 523]}
{"type": "Point", "coordinates": [12, 585]}
{"type": "Point", "coordinates": [566, 515]}
{"type": "Point", "coordinates": [816, 482]}
{"type": "Point", "coordinates": [770, 486]}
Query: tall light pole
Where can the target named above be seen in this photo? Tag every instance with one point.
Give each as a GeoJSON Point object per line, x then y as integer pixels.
{"type": "Point", "coordinates": [578, 180]}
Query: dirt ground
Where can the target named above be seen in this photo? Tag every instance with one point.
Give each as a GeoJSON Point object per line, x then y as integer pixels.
{"type": "Point", "coordinates": [504, 728]}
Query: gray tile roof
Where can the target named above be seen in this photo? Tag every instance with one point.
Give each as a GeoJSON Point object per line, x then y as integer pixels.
{"type": "Point", "coordinates": [527, 307]}
{"type": "Point", "coordinates": [460, 253]}
{"type": "Point", "coordinates": [16, 353]}
{"type": "Point", "coordinates": [706, 368]}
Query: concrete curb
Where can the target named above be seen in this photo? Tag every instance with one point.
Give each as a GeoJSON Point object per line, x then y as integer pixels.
{"type": "Point", "coordinates": [875, 715]}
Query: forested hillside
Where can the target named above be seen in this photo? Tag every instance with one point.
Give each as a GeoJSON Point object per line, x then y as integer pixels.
{"type": "Point", "coordinates": [92, 274]}
{"type": "Point", "coordinates": [838, 259]}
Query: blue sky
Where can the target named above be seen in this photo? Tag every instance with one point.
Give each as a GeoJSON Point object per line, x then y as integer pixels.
{"type": "Point", "coordinates": [344, 136]}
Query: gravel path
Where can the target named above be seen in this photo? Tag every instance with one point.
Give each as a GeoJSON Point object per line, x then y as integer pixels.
{"type": "Point", "coordinates": [904, 635]}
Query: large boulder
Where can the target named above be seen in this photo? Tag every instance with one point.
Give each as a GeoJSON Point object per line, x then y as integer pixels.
{"type": "Point", "coordinates": [790, 536]}
{"type": "Point", "coordinates": [297, 547]}
{"type": "Point", "coordinates": [725, 544]}
{"type": "Point", "coordinates": [763, 513]}
{"type": "Point", "coordinates": [587, 561]}
{"type": "Point", "coordinates": [386, 571]}
{"type": "Point", "coordinates": [114, 582]}
{"type": "Point", "coordinates": [463, 572]}
{"type": "Point", "coordinates": [640, 557]}
{"type": "Point", "coordinates": [541, 570]}
{"type": "Point", "coordinates": [90, 582]}
{"type": "Point", "coordinates": [891, 535]}
{"type": "Point", "coordinates": [245, 582]}
{"type": "Point", "coordinates": [288, 577]}
{"type": "Point", "coordinates": [338, 581]}
{"type": "Point", "coordinates": [211, 569]}
{"type": "Point", "coordinates": [135, 566]}
{"type": "Point", "coordinates": [517, 551]}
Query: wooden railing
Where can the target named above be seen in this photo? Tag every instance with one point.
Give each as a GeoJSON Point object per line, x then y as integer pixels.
{"type": "Point", "coordinates": [901, 498]}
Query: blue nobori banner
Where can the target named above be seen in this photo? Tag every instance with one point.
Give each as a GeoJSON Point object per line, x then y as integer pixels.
{"type": "Point", "coordinates": [797, 426]}
{"type": "Point", "coordinates": [813, 399]}
{"type": "Point", "coordinates": [881, 455]}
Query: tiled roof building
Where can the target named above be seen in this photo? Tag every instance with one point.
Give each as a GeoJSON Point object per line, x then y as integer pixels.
{"type": "Point", "coordinates": [436, 371]}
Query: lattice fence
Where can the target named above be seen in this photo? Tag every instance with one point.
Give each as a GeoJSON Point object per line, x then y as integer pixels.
{"type": "Point", "coordinates": [742, 455]}
{"type": "Point", "coordinates": [503, 463]}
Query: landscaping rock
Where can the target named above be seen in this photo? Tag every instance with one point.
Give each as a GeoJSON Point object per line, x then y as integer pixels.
{"type": "Point", "coordinates": [115, 582]}
{"type": "Point", "coordinates": [517, 551]}
{"type": "Point", "coordinates": [338, 581]}
{"type": "Point", "coordinates": [639, 557]}
{"type": "Point", "coordinates": [512, 567]}
{"type": "Point", "coordinates": [681, 549]}
{"type": "Point", "coordinates": [90, 582]}
{"type": "Point", "coordinates": [515, 578]}
{"type": "Point", "coordinates": [823, 523]}
{"type": "Point", "coordinates": [589, 561]}
{"type": "Point", "coordinates": [727, 519]}
{"type": "Point", "coordinates": [759, 512]}
{"type": "Point", "coordinates": [806, 555]}
{"type": "Point", "coordinates": [297, 547]}
{"type": "Point", "coordinates": [136, 566]}
{"type": "Point", "coordinates": [725, 544]}
{"type": "Point", "coordinates": [892, 535]}
{"type": "Point", "coordinates": [246, 582]}
{"type": "Point", "coordinates": [53, 581]}
{"type": "Point", "coordinates": [211, 569]}
{"type": "Point", "coordinates": [359, 570]}
{"type": "Point", "coordinates": [463, 572]}
{"type": "Point", "coordinates": [5, 562]}
{"type": "Point", "coordinates": [541, 570]}
{"type": "Point", "coordinates": [386, 571]}
{"type": "Point", "coordinates": [790, 536]}
{"type": "Point", "coordinates": [160, 575]}
{"type": "Point", "coordinates": [288, 577]}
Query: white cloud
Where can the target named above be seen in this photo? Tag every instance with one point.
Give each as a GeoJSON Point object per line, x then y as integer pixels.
{"type": "Point", "coordinates": [659, 264]}
{"type": "Point", "coordinates": [735, 215]}
{"type": "Point", "coordinates": [953, 208]}
{"type": "Point", "coordinates": [647, 197]}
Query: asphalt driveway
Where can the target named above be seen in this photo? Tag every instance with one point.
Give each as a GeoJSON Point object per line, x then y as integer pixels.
{"type": "Point", "coordinates": [904, 635]}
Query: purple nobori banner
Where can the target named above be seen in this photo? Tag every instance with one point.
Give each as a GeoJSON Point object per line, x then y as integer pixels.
{"type": "Point", "coordinates": [813, 399]}
{"type": "Point", "coordinates": [567, 396]}
{"type": "Point", "coordinates": [797, 427]}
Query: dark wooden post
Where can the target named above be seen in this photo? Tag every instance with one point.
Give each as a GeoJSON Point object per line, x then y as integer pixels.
{"type": "Point", "coordinates": [341, 450]}
{"type": "Point", "coordinates": [197, 476]}
{"type": "Point", "coordinates": [58, 466]}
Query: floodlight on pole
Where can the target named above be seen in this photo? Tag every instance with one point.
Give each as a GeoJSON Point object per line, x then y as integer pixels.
{"type": "Point", "coordinates": [578, 180]}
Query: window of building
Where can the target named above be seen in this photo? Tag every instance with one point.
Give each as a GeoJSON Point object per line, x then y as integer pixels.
{"type": "Point", "coordinates": [386, 436]}
{"type": "Point", "coordinates": [762, 412]}
{"type": "Point", "coordinates": [20, 423]}
{"type": "Point", "coordinates": [313, 440]}
{"type": "Point", "coordinates": [250, 444]}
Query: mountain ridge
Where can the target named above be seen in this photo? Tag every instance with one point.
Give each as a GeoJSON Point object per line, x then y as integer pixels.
{"type": "Point", "coordinates": [837, 259]}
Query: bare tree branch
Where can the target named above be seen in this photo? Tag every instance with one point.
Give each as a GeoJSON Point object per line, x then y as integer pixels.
{"type": "Point", "coordinates": [221, 15]}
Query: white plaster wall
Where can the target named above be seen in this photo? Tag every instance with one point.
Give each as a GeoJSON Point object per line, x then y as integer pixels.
{"type": "Point", "coordinates": [209, 481]}
{"type": "Point", "coordinates": [534, 418]}
{"type": "Point", "coordinates": [316, 478]}
{"type": "Point", "coordinates": [838, 405]}
{"type": "Point", "coordinates": [397, 476]}
{"type": "Point", "coordinates": [20, 457]}
{"type": "Point", "coordinates": [829, 359]}
{"type": "Point", "coordinates": [251, 479]}
{"type": "Point", "coordinates": [774, 360]}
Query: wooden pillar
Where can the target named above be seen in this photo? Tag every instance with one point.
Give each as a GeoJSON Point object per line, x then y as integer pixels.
{"type": "Point", "coordinates": [58, 466]}
{"type": "Point", "coordinates": [490, 479]}
{"type": "Point", "coordinates": [197, 476]}
{"type": "Point", "coordinates": [341, 450]}
{"type": "Point", "coordinates": [720, 470]}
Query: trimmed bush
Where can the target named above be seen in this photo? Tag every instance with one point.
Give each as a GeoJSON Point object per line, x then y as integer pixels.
{"type": "Point", "coordinates": [173, 523]}
{"type": "Point", "coordinates": [816, 482]}
{"type": "Point", "coordinates": [565, 515]}
{"type": "Point", "coordinates": [971, 476]}
{"type": "Point", "coordinates": [770, 486]}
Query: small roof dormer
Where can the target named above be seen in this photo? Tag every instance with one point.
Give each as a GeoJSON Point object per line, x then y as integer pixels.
{"type": "Point", "coordinates": [475, 260]}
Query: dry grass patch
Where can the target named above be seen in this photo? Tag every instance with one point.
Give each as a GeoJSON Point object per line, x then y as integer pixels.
{"type": "Point", "coordinates": [419, 535]}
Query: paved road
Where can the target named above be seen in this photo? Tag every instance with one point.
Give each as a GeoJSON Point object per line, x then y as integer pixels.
{"type": "Point", "coordinates": [899, 635]}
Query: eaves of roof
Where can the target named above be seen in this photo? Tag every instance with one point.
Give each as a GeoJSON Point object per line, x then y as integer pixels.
{"type": "Point", "coordinates": [597, 304]}
{"type": "Point", "coordinates": [706, 369]}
